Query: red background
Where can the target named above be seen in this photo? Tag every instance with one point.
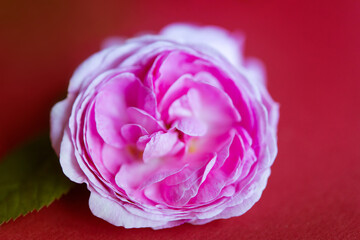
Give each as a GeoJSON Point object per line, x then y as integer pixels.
{"type": "Point", "coordinates": [312, 53]}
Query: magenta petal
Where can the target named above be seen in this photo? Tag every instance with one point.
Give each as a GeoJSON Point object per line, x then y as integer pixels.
{"type": "Point", "coordinates": [113, 158]}
{"type": "Point", "coordinates": [109, 119]}
{"type": "Point", "coordinates": [181, 113]}
{"type": "Point", "coordinates": [112, 104]}
{"type": "Point", "coordinates": [172, 68]}
{"type": "Point", "coordinates": [232, 162]}
{"type": "Point", "coordinates": [132, 132]}
{"type": "Point", "coordinates": [179, 188]}
{"type": "Point", "coordinates": [191, 126]}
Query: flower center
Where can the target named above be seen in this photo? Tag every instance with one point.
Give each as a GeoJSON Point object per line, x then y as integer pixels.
{"type": "Point", "coordinates": [134, 152]}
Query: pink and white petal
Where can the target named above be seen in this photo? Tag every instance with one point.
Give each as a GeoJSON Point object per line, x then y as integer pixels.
{"type": "Point", "coordinates": [261, 126]}
{"type": "Point", "coordinates": [82, 75]}
{"type": "Point", "coordinates": [100, 62]}
{"type": "Point", "coordinates": [226, 43]}
{"type": "Point", "coordinates": [272, 108]}
{"type": "Point", "coordinates": [68, 160]}
{"type": "Point", "coordinates": [116, 213]}
{"type": "Point", "coordinates": [59, 116]}
{"type": "Point", "coordinates": [113, 42]}
{"type": "Point", "coordinates": [241, 204]}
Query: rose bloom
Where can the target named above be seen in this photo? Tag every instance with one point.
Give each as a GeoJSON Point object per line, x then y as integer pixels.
{"type": "Point", "coordinates": [167, 129]}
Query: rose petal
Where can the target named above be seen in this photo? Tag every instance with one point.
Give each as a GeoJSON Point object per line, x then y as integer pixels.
{"type": "Point", "coordinates": [68, 160]}
{"type": "Point", "coordinates": [160, 145]}
{"type": "Point", "coordinates": [117, 214]}
{"type": "Point", "coordinates": [59, 116]}
{"type": "Point", "coordinates": [132, 132]}
{"type": "Point", "coordinates": [230, 45]}
{"type": "Point", "coordinates": [142, 118]}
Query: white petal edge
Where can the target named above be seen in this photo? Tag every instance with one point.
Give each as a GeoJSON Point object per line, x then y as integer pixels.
{"type": "Point", "coordinates": [59, 115]}
{"type": "Point", "coordinates": [117, 215]}
{"type": "Point", "coordinates": [68, 160]}
{"type": "Point", "coordinates": [226, 43]}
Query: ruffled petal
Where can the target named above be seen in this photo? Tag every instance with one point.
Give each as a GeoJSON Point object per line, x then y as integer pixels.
{"type": "Point", "coordinates": [116, 214]}
{"type": "Point", "coordinates": [228, 44]}
{"type": "Point", "coordinates": [68, 160]}
{"type": "Point", "coordinates": [59, 116]}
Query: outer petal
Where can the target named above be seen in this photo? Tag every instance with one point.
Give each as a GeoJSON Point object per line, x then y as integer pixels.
{"type": "Point", "coordinates": [228, 44]}
{"type": "Point", "coordinates": [245, 204]}
{"type": "Point", "coordinates": [106, 59]}
{"type": "Point", "coordinates": [116, 214]}
{"type": "Point", "coordinates": [68, 160]}
{"type": "Point", "coordinates": [59, 116]}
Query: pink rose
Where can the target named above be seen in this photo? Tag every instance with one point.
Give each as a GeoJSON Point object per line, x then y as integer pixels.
{"type": "Point", "coordinates": [167, 129]}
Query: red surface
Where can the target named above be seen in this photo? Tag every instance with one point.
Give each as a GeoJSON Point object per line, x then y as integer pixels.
{"type": "Point", "coordinates": [312, 53]}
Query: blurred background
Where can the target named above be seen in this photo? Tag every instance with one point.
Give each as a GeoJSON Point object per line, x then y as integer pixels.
{"type": "Point", "coordinates": [311, 50]}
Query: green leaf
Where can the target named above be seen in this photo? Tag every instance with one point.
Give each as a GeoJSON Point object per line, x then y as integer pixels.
{"type": "Point", "coordinates": [30, 178]}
